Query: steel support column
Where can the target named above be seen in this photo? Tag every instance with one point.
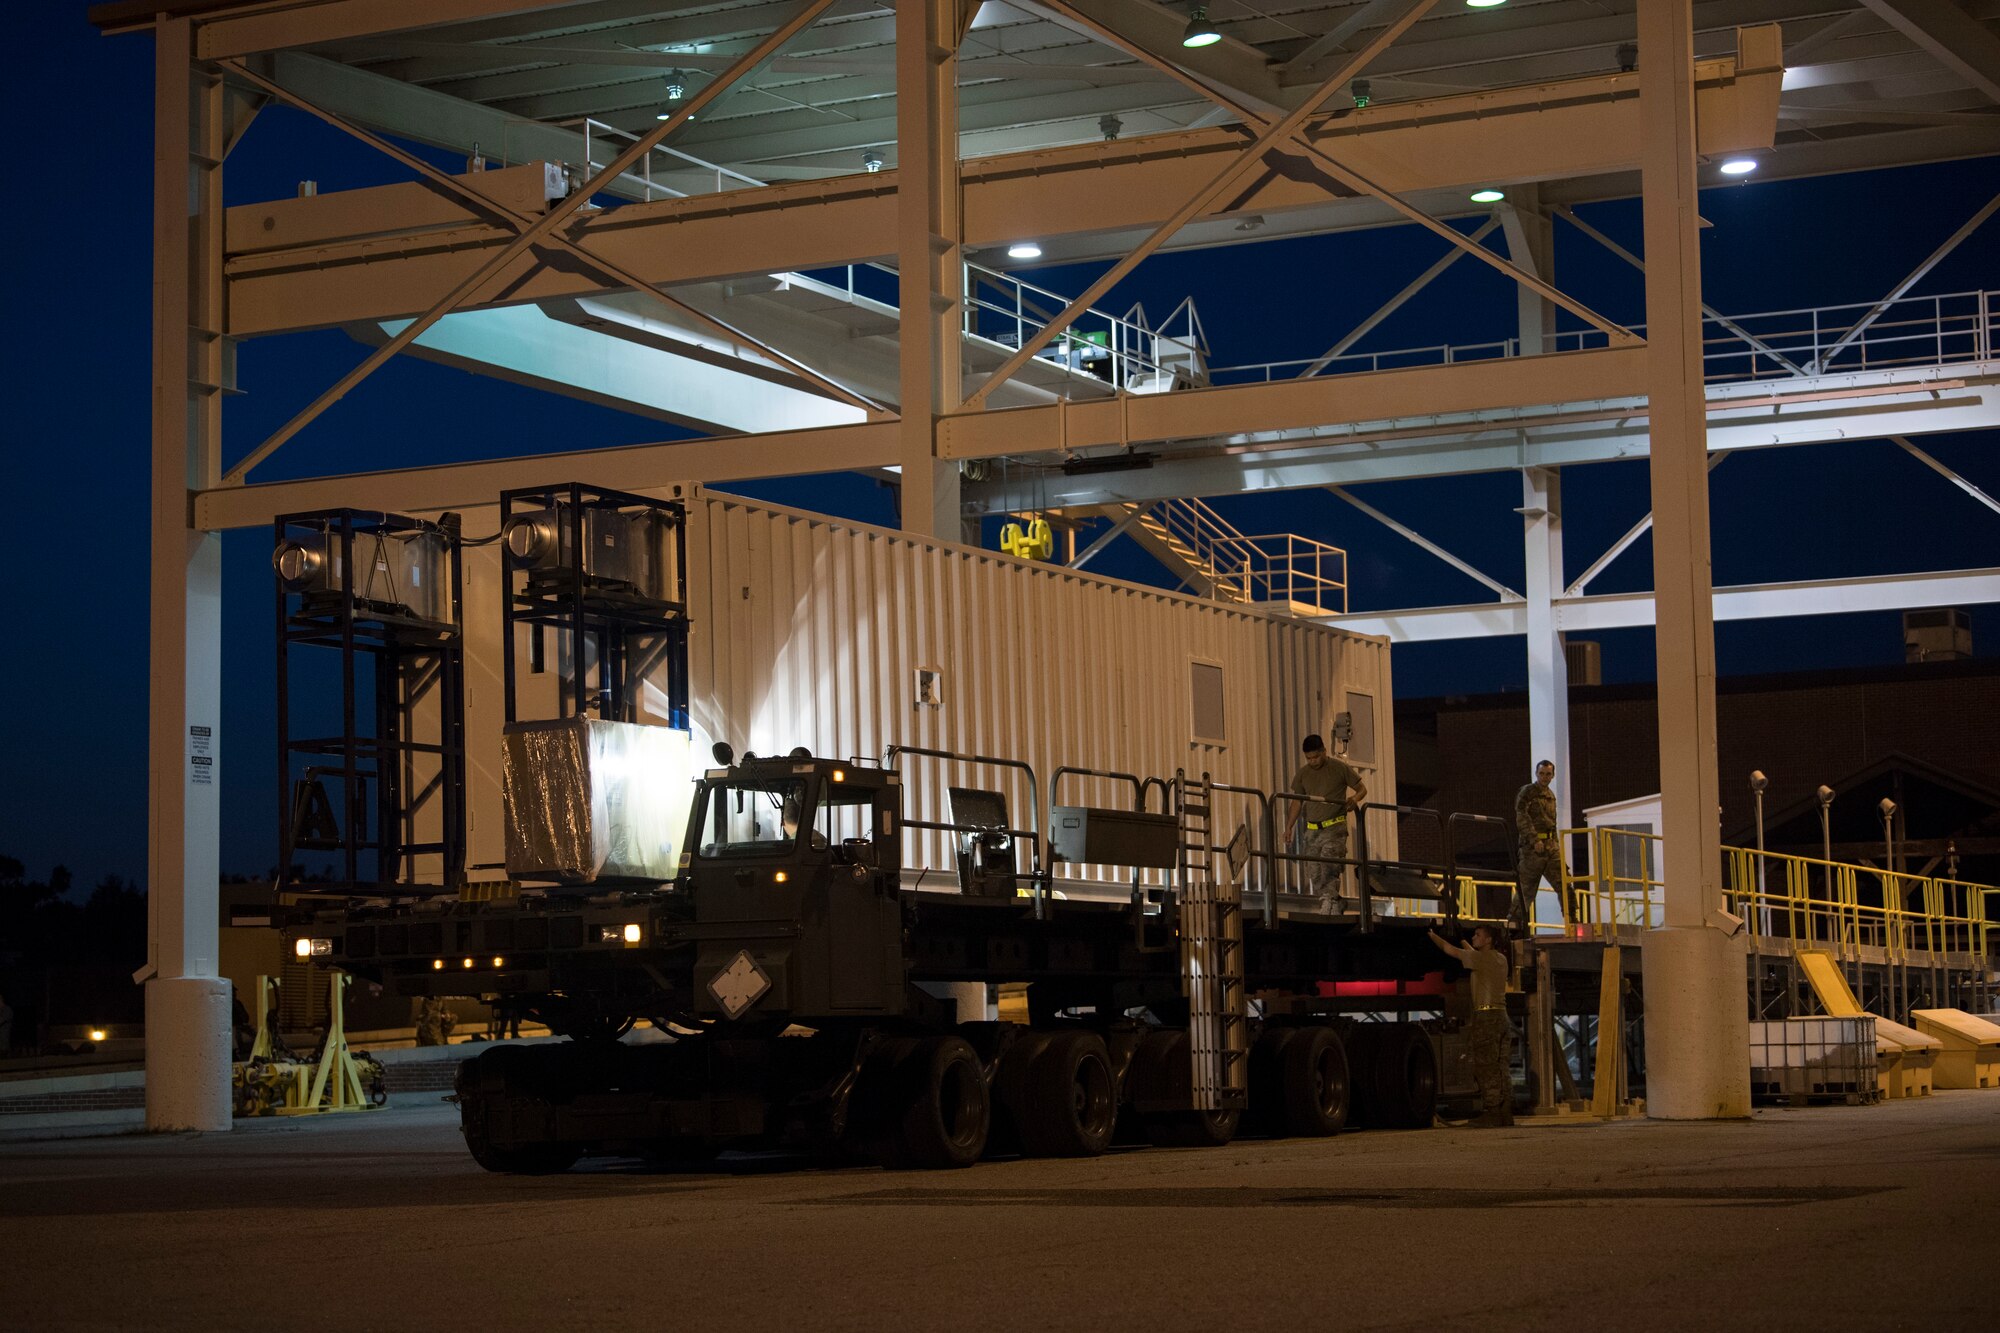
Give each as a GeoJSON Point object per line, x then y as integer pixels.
{"type": "Point", "coordinates": [929, 263]}
{"type": "Point", "coordinates": [1697, 1020]}
{"type": "Point", "coordinates": [187, 1005]}
{"type": "Point", "coordinates": [1548, 669]}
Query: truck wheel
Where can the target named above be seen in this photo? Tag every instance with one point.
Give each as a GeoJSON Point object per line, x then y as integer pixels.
{"type": "Point", "coordinates": [1314, 1077]}
{"type": "Point", "coordinates": [946, 1111]}
{"type": "Point", "coordinates": [536, 1159]}
{"type": "Point", "coordinates": [1193, 1129]}
{"type": "Point", "coordinates": [1070, 1099]}
{"type": "Point", "coordinates": [1267, 1082]}
{"type": "Point", "coordinates": [1009, 1094]}
{"type": "Point", "coordinates": [1406, 1078]}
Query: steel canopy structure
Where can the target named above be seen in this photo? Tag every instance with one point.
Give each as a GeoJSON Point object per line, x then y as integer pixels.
{"type": "Point", "coordinates": [657, 200]}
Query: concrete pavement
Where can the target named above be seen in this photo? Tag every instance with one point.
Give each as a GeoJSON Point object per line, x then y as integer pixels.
{"type": "Point", "coordinates": [1868, 1217]}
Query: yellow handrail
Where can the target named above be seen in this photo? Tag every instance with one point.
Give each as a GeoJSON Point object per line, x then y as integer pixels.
{"type": "Point", "coordinates": [1804, 901]}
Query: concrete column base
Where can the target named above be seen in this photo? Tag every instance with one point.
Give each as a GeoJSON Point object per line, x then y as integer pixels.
{"type": "Point", "coordinates": [1697, 1025]}
{"type": "Point", "coordinates": [187, 1053]}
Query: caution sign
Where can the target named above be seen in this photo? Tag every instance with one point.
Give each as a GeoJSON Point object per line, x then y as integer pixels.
{"type": "Point", "coordinates": [201, 756]}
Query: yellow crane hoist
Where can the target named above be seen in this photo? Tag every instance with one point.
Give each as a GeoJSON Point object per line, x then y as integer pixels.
{"type": "Point", "coordinates": [1035, 541]}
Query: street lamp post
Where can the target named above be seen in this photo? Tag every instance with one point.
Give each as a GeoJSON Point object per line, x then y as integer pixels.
{"type": "Point", "coordinates": [1758, 782]}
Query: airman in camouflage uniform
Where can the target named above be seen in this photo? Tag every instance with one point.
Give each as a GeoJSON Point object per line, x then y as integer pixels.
{"type": "Point", "coordinates": [1536, 825]}
{"type": "Point", "coordinates": [1492, 1031]}
{"type": "Point", "coordinates": [1336, 789]}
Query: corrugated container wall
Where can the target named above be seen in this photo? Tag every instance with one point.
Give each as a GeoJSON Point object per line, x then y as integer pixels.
{"type": "Point", "coordinates": [847, 639]}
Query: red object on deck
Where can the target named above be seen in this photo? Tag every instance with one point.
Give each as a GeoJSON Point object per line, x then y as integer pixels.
{"type": "Point", "coordinates": [1432, 983]}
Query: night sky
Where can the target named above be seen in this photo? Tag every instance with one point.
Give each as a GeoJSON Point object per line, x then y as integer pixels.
{"type": "Point", "coordinates": [74, 542]}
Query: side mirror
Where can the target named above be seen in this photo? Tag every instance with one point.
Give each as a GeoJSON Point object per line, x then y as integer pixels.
{"type": "Point", "coordinates": [724, 754]}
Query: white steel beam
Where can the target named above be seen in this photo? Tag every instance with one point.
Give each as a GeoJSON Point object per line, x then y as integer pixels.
{"type": "Point", "coordinates": [534, 231]}
{"type": "Point", "coordinates": [1548, 666]}
{"type": "Point", "coordinates": [1273, 132]}
{"type": "Point", "coordinates": [1697, 1027]}
{"type": "Point", "coordinates": [639, 467]}
{"type": "Point", "coordinates": [1901, 289]}
{"type": "Point", "coordinates": [523, 345]}
{"type": "Point", "coordinates": [1707, 310]}
{"type": "Point", "coordinates": [1500, 590]}
{"type": "Point", "coordinates": [1952, 37]}
{"type": "Point", "coordinates": [1851, 406]}
{"type": "Point", "coordinates": [1623, 544]}
{"type": "Point", "coordinates": [1759, 601]}
{"type": "Point", "coordinates": [1098, 194]}
{"type": "Point", "coordinates": [1294, 404]}
{"type": "Point", "coordinates": [930, 265]}
{"type": "Point", "coordinates": [525, 221]}
{"type": "Point", "coordinates": [187, 1005]}
{"type": "Point", "coordinates": [1945, 472]}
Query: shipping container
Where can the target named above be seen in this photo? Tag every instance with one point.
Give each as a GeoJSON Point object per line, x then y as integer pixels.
{"type": "Point", "coordinates": [846, 639]}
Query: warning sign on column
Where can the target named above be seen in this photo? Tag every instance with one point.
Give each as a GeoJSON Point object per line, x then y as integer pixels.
{"type": "Point", "coordinates": [201, 756]}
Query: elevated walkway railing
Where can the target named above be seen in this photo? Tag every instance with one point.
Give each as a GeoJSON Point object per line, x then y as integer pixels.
{"type": "Point", "coordinates": [1913, 332]}
{"type": "Point", "coordinates": [1853, 912]}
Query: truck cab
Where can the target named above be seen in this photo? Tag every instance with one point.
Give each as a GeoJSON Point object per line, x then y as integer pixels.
{"type": "Point", "coordinates": [792, 867]}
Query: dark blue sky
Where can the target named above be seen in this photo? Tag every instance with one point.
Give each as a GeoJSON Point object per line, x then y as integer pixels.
{"type": "Point", "coordinates": [78, 287]}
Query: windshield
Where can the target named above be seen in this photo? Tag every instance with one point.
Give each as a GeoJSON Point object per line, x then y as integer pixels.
{"type": "Point", "coordinates": [752, 818]}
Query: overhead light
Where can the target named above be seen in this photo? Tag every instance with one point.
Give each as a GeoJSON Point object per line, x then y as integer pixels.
{"type": "Point", "coordinates": [468, 964]}
{"type": "Point", "coordinates": [1483, 4]}
{"type": "Point", "coordinates": [1488, 196]}
{"type": "Point", "coordinates": [1110, 125]}
{"type": "Point", "coordinates": [437, 964]}
{"type": "Point", "coordinates": [1739, 166]}
{"type": "Point", "coordinates": [1251, 223]}
{"type": "Point", "coordinates": [676, 90]}
{"type": "Point", "coordinates": [1360, 90]}
{"type": "Point", "coordinates": [1200, 32]}
{"type": "Point", "coordinates": [871, 161]}
{"type": "Point", "coordinates": [1024, 250]}
{"type": "Point", "coordinates": [97, 1034]}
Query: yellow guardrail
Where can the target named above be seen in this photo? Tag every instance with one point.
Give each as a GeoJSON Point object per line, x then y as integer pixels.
{"type": "Point", "coordinates": [1806, 902]}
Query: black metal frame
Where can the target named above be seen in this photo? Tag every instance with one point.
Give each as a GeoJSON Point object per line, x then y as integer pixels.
{"type": "Point", "coordinates": [411, 660]}
{"type": "Point", "coordinates": [632, 635]}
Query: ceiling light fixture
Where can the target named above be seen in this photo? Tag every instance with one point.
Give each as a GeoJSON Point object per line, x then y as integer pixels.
{"type": "Point", "coordinates": [1200, 32]}
{"type": "Point", "coordinates": [1024, 250]}
{"type": "Point", "coordinates": [1484, 4]}
{"type": "Point", "coordinates": [1739, 166]}
{"type": "Point", "coordinates": [872, 161]}
{"type": "Point", "coordinates": [1360, 90]}
{"type": "Point", "coordinates": [1488, 196]}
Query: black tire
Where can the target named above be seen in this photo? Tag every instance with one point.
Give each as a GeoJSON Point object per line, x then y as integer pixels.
{"type": "Point", "coordinates": [1069, 1098]}
{"type": "Point", "coordinates": [533, 1159]}
{"type": "Point", "coordinates": [945, 1109]}
{"type": "Point", "coordinates": [1316, 1088]}
{"type": "Point", "coordinates": [1406, 1078]}
{"type": "Point", "coordinates": [1193, 1129]}
{"type": "Point", "coordinates": [1009, 1095]}
{"type": "Point", "coordinates": [1267, 1082]}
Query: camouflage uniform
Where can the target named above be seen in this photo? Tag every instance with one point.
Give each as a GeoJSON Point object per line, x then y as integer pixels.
{"type": "Point", "coordinates": [1331, 783]}
{"type": "Point", "coordinates": [1492, 1048]}
{"type": "Point", "coordinates": [433, 1022]}
{"type": "Point", "coordinates": [1540, 845]}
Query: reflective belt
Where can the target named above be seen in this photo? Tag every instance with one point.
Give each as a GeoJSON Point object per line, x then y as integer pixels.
{"type": "Point", "coordinates": [1311, 827]}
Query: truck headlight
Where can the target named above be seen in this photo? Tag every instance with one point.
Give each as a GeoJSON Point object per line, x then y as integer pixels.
{"type": "Point", "coordinates": [311, 948]}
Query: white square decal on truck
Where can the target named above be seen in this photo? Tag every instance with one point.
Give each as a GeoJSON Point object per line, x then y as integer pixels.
{"type": "Point", "coordinates": [739, 985]}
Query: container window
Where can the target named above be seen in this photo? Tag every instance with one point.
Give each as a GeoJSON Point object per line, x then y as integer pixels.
{"type": "Point", "coordinates": [1361, 713]}
{"type": "Point", "coordinates": [1205, 681]}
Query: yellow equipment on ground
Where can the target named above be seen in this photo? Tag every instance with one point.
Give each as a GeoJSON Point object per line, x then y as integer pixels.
{"type": "Point", "coordinates": [273, 1081]}
{"type": "Point", "coordinates": [1036, 541]}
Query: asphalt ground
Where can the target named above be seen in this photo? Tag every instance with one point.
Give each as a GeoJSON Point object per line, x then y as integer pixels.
{"type": "Point", "coordinates": [1851, 1217]}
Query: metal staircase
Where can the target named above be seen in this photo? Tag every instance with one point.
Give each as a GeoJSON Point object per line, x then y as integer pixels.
{"type": "Point", "coordinates": [1211, 900]}
{"type": "Point", "coordinates": [1213, 559]}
